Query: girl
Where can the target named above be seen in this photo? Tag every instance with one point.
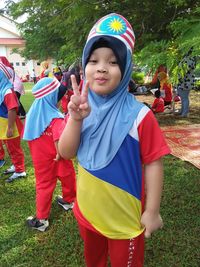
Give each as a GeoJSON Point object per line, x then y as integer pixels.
{"type": "Point", "coordinates": [165, 88]}
{"type": "Point", "coordinates": [42, 131]}
{"type": "Point", "coordinates": [10, 125]}
{"type": "Point", "coordinates": [115, 155]}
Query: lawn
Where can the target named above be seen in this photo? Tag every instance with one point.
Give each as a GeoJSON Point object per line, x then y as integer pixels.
{"type": "Point", "coordinates": [176, 245]}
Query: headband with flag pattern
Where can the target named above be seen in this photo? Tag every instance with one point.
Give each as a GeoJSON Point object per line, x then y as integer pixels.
{"type": "Point", "coordinates": [47, 89]}
{"type": "Point", "coordinates": [114, 25]}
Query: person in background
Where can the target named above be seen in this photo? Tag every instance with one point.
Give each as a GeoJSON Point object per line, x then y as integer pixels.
{"type": "Point", "coordinates": [186, 82]}
{"type": "Point", "coordinates": [18, 85]}
{"type": "Point", "coordinates": [77, 71]}
{"type": "Point", "coordinates": [158, 104]}
{"type": "Point", "coordinates": [57, 72]}
{"type": "Point", "coordinates": [155, 83]}
{"type": "Point", "coordinates": [45, 72]}
{"type": "Point", "coordinates": [33, 76]}
{"type": "Point", "coordinates": [19, 90]}
{"type": "Point", "coordinates": [132, 87]}
{"type": "Point", "coordinates": [42, 140]}
{"type": "Point", "coordinates": [165, 88]}
{"type": "Point", "coordinates": [120, 170]}
{"type": "Point", "coordinates": [10, 125]}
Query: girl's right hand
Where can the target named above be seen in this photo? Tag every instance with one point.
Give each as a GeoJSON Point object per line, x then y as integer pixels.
{"type": "Point", "coordinates": [78, 106]}
{"type": "Point", "coordinates": [9, 132]}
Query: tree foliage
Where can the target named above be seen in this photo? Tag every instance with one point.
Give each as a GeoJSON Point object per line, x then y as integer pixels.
{"type": "Point", "coordinates": [58, 29]}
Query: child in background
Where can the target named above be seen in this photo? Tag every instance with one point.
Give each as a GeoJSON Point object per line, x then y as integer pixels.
{"type": "Point", "coordinates": [165, 88]}
{"type": "Point", "coordinates": [120, 172]}
{"type": "Point", "coordinates": [77, 71]}
{"type": "Point", "coordinates": [158, 104]}
{"type": "Point", "coordinates": [42, 130]}
{"type": "Point", "coordinates": [57, 72]}
{"type": "Point", "coordinates": [155, 83]}
{"type": "Point", "coordinates": [17, 84]}
{"type": "Point", "coordinates": [10, 125]}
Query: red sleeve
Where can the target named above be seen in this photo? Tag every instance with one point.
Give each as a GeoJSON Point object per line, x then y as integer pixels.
{"type": "Point", "coordinates": [57, 126]}
{"type": "Point", "coordinates": [152, 142]}
{"type": "Point", "coordinates": [10, 100]}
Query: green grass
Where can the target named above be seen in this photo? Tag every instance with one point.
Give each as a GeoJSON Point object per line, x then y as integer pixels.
{"type": "Point", "coordinates": [176, 245]}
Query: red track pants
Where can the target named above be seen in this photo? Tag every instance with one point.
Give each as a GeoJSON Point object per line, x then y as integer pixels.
{"type": "Point", "coordinates": [122, 253]}
{"type": "Point", "coordinates": [2, 153]}
{"type": "Point", "coordinates": [46, 181]}
{"type": "Point", "coordinates": [15, 152]}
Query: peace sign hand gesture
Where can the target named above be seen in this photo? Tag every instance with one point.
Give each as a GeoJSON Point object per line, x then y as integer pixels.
{"type": "Point", "coordinates": [78, 106]}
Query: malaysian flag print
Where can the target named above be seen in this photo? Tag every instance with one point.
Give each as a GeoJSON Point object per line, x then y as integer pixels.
{"type": "Point", "coordinates": [116, 26]}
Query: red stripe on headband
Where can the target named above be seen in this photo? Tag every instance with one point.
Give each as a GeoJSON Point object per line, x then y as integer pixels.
{"type": "Point", "coordinates": [47, 89]}
{"type": "Point", "coordinates": [131, 34]}
{"type": "Point", "coordinates": [5, 71]}
{"type": "Point", "coordinates": [128, 41]}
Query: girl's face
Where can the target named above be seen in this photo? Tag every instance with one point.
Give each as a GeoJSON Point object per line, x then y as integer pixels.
{"type": "Point", "coordinates": [102, 71]}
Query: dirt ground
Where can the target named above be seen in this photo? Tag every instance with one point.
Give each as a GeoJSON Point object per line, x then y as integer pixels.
{"type": "Point", "coordinates": [172, 119]}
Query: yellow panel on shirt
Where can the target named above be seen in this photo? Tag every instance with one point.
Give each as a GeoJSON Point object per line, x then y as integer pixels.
{"type": "Point", "coordinates": [4, 127]}
{"type": "Point", "coordinates": [111, 210]}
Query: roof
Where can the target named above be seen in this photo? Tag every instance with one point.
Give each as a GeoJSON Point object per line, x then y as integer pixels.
{"type": "Point", "coordinates": [8, 28]}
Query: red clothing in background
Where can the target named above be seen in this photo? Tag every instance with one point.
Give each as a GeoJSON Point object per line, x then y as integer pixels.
{"type": "Point", "coordinates": [168, 92]}
{"type": "Point", "coordinates": [47, 170]}
{"type": "Point", "coordinates": [158, 105]}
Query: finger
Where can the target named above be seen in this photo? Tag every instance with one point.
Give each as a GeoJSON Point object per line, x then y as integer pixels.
{"type": "Point", "coordinates": [75, 100]}
{"type": "Point", "coordinates": [147, 234]}
{"type": "Point", "coordinates": [73, 106]}
{"type": "Point", "coordinates": [161, 227]}
{"type": "Point", "coordinates": [74, 85]}
{"type": "Point", "coordinates": [84, 106]}
{"type": "Point", "coordinates": [84, 92]}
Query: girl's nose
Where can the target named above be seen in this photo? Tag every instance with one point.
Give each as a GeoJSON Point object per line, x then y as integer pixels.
{"type": "Point", "coordinates": [102, 70]}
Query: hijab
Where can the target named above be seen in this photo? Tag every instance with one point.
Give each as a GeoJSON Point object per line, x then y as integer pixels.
{"type": "Point", "coordinates": [5, 84]}
{"type": "Point", "coordinates": [44, 108]}
{"type": "Point", "coordinates": [111, 116]}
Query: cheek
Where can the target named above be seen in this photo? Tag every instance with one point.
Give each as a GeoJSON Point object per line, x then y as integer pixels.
{"type": "Point", "coordinates": [88, 73]}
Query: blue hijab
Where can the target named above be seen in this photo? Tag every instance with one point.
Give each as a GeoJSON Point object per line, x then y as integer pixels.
{"type": "Point", "coordinates": [111, 116]}
{"type": "Point", "coordinates": [5, 84]}
{"type": "Point", "coordinates": [44, 108]}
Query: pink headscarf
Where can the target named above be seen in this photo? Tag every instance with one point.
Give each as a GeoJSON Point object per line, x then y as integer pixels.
{"type": "Point", "coordinates": [5, 61]}
{"type": "Point", "coordinates": [14, 79]}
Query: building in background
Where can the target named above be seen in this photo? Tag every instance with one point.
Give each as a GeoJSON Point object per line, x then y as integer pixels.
{"type": "Point", "coordinates": [9, 39]}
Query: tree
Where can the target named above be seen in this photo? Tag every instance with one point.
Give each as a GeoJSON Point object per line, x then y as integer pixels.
{"type": "Point", "coordinates": [58, 29]}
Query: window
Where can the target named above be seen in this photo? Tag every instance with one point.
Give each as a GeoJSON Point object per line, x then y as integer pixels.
{"type": "Point", "coordinates": [17, 63]}
{"type": "Point", "coordinates": [23, 64]}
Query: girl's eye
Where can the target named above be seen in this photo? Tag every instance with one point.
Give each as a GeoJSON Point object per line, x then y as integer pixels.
{"type": "Point", "coordinates": [113, 62]}
{"type": "Point", "coordinates": [93, 61]}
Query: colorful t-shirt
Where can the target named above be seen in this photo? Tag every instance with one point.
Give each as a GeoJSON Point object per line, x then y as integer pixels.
{"type": "Point", "coordinates": [10, 102]}
{"type": "Point", "coordinates": [112, 204]}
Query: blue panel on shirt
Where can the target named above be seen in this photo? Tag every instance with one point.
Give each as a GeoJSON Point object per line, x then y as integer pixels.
{"type": "Point", "coordinates": [3, 111]}
{"type": "Point", "coordinates": [126, 167]}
